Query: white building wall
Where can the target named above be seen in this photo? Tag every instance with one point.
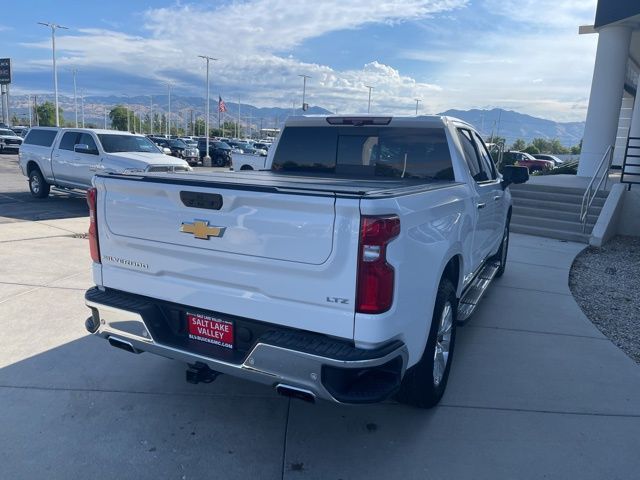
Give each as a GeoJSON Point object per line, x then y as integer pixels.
{"type": "Point", "coordinates": [624, 123]}
{"type": "Point", "coordinates": [605, 101]}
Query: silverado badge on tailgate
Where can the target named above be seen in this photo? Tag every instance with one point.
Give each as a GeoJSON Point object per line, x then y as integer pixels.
{"type": "Point", "coordinates": [201, 229]}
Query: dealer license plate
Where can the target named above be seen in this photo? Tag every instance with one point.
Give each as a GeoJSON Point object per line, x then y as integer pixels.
{"type": "Point", "coordinates": [210, 330]}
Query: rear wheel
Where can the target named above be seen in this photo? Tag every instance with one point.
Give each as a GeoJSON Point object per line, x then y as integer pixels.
{"type": "Point", "coordinates": [246, 167]}
{"type": "Point", "coordinates": [37, 184]}
{"type": "Point", "coordinates": [424, 384]}
{"type": "Point", "coordinates": [218, 161]}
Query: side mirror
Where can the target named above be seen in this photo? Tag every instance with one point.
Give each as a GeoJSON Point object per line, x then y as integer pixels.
{"type": "Point", "coordinates": [84, 148]}
{"type": "Point", "coordinates": [513, 174]}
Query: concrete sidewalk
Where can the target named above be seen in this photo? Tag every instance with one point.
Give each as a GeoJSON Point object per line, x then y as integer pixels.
{"type": "Point", "coordinates": [535, 391]}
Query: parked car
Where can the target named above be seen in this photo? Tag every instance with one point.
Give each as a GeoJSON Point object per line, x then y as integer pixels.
{"type": "Point", "coordinates": [262, 146]}
{"type": "Point", "coordinates": [524, 159]}
{"type": "Point", "coordinates": [341, 274]}
{"type": "Point", "coordinates": [20, 130]}
{"type": "Point", "coordinates": [178, 148]}
{"type": "Point", "coordinates": [9, 140]}
{"type": "Point", "coordinates": [551, 158]}
{"type": "Point", "coordinates": [219, 152]}
{"type": "Point", "coordinates": [70, 157]}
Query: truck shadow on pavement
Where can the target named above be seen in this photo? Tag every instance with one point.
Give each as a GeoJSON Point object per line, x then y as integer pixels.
{"type": "Point", "coordinates": [16, 206]}
{"type": "Point", "coordinates": [86, 410]}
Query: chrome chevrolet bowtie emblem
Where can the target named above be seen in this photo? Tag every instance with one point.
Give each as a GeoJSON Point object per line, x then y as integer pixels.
{"type": "Point", "coordinates": [201, 229]}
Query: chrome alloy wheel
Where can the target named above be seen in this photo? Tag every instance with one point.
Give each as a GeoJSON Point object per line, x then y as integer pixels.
{"type": "Point", "coordinates": [35, 184]}
{"type": "Point", "coordinates": [443, 343]}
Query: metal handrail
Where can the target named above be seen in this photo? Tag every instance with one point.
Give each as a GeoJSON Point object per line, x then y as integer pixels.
{"type": "Point", "coordinates": [589, 194]}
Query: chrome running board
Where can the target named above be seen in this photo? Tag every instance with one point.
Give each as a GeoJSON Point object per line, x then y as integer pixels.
{"type": "Point", "coordinates": [476, 291]}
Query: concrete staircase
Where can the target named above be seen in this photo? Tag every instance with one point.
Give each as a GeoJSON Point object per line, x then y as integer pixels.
{"type": "Point", "coordinates": [550, 211]}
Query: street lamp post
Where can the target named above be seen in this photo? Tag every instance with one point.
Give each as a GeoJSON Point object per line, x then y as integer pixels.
{"type": "Point", "coordinates": [151, 114]}
{"type": "Point", "coordinates": [30, 112]}
{"type": "Point", "coordinates": [369, 104]}
{"type": "Point", "coordinates": [417, 102]}
{"type": "Point", "coordinates": [82, 102]}
{"type": "Point", "coordinates": [169, 114]}
{"type": "Point", "coordinates": [206, 161]}
{"type": "Point", "coordinates": [304, 90]}
{"type": "Point", "coordinates": [53, 28]}
{"type": "Point", "coordinates": [75, 94]}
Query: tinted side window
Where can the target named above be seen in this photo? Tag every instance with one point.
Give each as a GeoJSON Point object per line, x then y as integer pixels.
{"type": "Point", "coordinates": [471, 156]}
{"type": "Point", "coordinates": [69, 140]}
{"type": "Point", "coordinates": [43, 138]}
{"type": "Point", "coordinates": [86, 139]}
{"type": "Point", "coordinates": [486, 162]}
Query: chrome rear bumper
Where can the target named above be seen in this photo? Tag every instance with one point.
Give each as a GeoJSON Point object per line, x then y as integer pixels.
{"type": "Point", "coordinates": [265, 363]}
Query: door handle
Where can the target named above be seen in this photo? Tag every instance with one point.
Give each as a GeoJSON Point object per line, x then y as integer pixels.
{"type": "Point", "coordinates": [497, 197]}
{"type": "Point", "coordinates": [481, 205]}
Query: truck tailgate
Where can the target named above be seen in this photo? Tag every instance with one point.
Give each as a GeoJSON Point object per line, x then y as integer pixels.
{"type": "Point", "coordinates": [277, 257]}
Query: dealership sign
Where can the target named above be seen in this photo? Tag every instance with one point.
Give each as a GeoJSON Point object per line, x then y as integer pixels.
{"type": "Point", "coordinates": [5, 70]}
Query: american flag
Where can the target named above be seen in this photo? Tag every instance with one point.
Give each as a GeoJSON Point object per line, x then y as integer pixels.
{"type": "Point", "coordinates": [221, 106]}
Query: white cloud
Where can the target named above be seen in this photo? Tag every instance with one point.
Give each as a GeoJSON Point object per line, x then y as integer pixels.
{"type": "Point", "coordinates": [253, 39]}
{"type": "Point", "coordinates": [533, 61]}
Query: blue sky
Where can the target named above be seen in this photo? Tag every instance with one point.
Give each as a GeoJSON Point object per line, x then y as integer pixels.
{"type": "Point", "coordinates": [524, 55]}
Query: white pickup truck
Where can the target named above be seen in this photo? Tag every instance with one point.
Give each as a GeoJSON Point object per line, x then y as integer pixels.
{"type": "Point", "coordinates": [339, 274]}
{"type": "Point", "coordinates": [69, 157]}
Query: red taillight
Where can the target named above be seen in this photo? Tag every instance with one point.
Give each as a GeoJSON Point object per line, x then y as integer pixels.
{"type": "Point", "coordinates": [375, 275]}
{"type": "Point", "coordinates": [94, 247]}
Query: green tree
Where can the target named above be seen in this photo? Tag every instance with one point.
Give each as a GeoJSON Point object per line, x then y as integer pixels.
{"type": "Point", "coordinates": [556, 148]}
{"type": "Point", "coordinates": [119, 116]}
{"type": "Point", "coordinates": [531, 149]}
{"type": "Point", "coordinates": [496, 139]}
{"type": "Point", "coordinates": [199, 127]}
{"type": "Point", "coordinates": [576, 149]}
{"type": "Point", "coordinates": [519, 145]}
{"type": "Point", "coordinates": [46, 114]}
{"type": "Point", "coordinates": [542, 144]}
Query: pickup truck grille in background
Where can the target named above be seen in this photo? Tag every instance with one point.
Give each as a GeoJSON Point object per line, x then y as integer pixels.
{"type": "Point", "coordinates": [11, 141]}
{"type": "Point", "coordinates": [168, 168]}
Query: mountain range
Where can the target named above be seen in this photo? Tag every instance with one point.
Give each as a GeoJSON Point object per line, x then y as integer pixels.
{"type": "Point", "coordinates": [504, 123]}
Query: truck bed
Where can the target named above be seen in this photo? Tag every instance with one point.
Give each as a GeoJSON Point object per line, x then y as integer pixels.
{"type": "Point", "coordinates": [271, 182]}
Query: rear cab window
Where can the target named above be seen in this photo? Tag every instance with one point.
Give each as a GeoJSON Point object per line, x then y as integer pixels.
{"type": "Point", "coordinates": [42, 138]}
{"type": "Point", "coordinates": [365, 151]}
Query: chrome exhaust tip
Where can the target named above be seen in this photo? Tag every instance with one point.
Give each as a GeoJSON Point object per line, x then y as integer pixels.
{"type": "Point", "coordinates": [123, 345]}
{"type": "Point", "coordinates": [295, 392]}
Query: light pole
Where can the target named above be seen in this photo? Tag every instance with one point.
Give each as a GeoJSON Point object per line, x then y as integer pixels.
{"type": "Point", "coordinates": [369, 104]}
{"type": "Point", "coordinates": [207, 159]}
{"type": "Point", "coordinates": [304, 90]}
{"type": "Point", "coordinates": [151, 114]}
{"type": "Point", "coordinates": [169, 114]}
{"type": "Point", "coordinates": [30, 112]}
{"type": "Point", "coordinates": [82, 101]}
{"type": "Point", "coordinates": [417, 102]}
{"type": "Point", "coordinates": [53, 28]}
{"type": "Point", "coordinates": [75, 95]}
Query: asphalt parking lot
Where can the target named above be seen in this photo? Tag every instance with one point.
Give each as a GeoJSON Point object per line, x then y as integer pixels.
{"type": "Point", "coordinates": [535, 390]}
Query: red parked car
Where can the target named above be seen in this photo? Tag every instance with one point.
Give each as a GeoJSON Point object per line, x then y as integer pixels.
{"type": "Point", "coordinates": [524, 159]}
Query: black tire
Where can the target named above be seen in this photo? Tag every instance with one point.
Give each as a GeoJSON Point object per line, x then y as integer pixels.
{"type": "Point", "coordinates": [37, 184]}
{"type": "Point", "coordinates": [246, 167]}
{"type": "Point", "coordinates": [501, 256]}
{"type": "Point", "coordinates": [218, 161]}
{"type": "Point", "coordinates": [419, 386]}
